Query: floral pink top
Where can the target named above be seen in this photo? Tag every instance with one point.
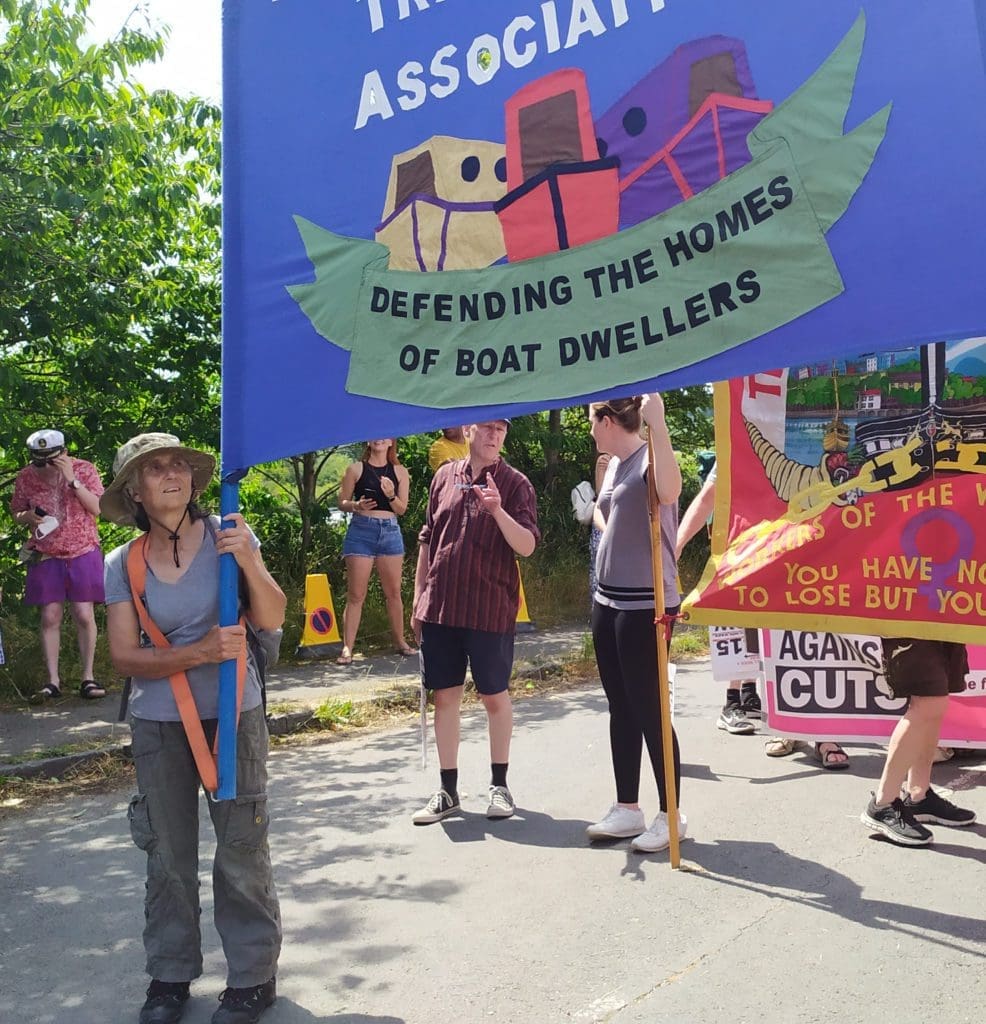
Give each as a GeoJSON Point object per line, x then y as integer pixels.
{"type": "Point", "coordinates": [76, 533]}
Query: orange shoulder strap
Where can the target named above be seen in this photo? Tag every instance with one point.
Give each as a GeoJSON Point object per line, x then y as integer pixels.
{"type": "Point", "coordinates": [205, 759]}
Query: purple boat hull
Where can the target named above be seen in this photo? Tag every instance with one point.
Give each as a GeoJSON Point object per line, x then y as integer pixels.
{"type": "Point", "coordinates": [682, 127]}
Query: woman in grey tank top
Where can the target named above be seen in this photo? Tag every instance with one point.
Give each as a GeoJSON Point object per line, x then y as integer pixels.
{"type": "Point", "coordinates": [623, 609]}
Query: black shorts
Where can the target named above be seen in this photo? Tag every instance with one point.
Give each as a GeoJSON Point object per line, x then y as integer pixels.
{"type": "Point", "coordinates": [446, 649]}
{"type": "Point", "coordinates": [924, 668]}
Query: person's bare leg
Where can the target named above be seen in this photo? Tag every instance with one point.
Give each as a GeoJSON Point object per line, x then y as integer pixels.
{"type": "Point", "coordinates": [919, 774]}
{"type": "Point", "coordinates": [358, 569]}
{"type": "Point", "coordinates": [500, 716]}
{"type": "Point", "coordinates": [51, 638]}
{"type": "Point", "coordinates": [389, 569]}
{"type": "Point", "coordinates": [85, 632]}
{"type": "Point", "coordinates": [912, 746]}
{"type": "Point", "coordinates": [448, 703]}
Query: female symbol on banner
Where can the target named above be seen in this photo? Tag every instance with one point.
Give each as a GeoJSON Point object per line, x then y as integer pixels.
{"type": "Point", "coordinates": [941, 572]}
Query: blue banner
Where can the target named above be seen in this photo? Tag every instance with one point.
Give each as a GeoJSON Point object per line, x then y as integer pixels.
{"type": "Point", "coordinates": [585, 176]}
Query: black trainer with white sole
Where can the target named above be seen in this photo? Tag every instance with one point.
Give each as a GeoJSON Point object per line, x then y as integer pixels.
{"type": "Point", "coordinates": [732, 720]}
{"type": "Point", "coordinates": [750, 705]}
{"type": "Point", "coordinates": [897, 823]}
{"type": "Point", "coordinates": [934, 808]}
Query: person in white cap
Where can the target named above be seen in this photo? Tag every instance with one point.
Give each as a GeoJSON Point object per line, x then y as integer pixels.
{"type": "Point", "coordinates": [56, 498]}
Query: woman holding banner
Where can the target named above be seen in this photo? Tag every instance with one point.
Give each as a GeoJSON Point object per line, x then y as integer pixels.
{"type": "Point", "coordinates": [623, 609]}
{"type": "Point", "coordinates": [375, 490]}
{"type": "Point", "coordinates": [162, 616]}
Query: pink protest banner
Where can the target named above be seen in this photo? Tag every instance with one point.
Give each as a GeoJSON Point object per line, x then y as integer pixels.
{"type": "Point", "coordinates": [830, 686]}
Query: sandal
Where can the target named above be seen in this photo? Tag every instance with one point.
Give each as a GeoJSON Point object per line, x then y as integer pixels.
{"type": "Point", "coordinates": [407, 652]}
{"type": "Point", "coordinates": [833, 751]}
{"type": "Point", "coordinates": [91, 690]}
{"type": "Point", "coordinates": [778, 746]}
{"type": "Point", "coordinates": [50, 691]}
{"type": "Point", "coordinates": [942, 754]}
{"type": "Point", "coordinates": [344, 659]}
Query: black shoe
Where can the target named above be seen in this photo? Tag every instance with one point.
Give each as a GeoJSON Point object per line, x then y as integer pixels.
{"type": "Point", "coordinates": [935, 808]}
{"type": "Point", "coordinates": [245, 1005]}
{"type": "Point", "coordinates": [165, 1002]}
{"type": "Point", "coordinates": [896, 823]}
{"type": "Point", "coordinates": [750, 705]}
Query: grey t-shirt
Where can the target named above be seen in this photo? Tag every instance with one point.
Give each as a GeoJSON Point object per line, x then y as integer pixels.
{"type": "Point", "coordinates": [184, 611]}
{"type": "Point", "coordinates": [623, 564]}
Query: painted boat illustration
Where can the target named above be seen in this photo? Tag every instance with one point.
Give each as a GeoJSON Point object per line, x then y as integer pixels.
{"type": "Point", "coordinates": [935, 438]}
{"type": "Point", "coordinates": [682, 127]}
{"type": "Point", "coordinates": [890, 452]}
{"type": "Point", "coordinates": [836, 436]}
{"type": "Point", "coordinates": [439, 211]}
{"type": "Point", "coordinates": [561, 192]}
{"type": "Point", "coordinates": [942, 440]}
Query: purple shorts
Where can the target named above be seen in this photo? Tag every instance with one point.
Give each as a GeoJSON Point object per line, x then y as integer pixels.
{"type": "Point", "coordinates": [57, 580]}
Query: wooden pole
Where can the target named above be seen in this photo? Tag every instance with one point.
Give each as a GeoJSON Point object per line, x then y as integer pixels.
{"type": "Point", "coordinates": [654, 507]}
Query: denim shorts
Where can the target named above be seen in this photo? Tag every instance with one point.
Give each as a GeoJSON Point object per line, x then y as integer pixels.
{"type": "Point", "coordinates": [370, 537]}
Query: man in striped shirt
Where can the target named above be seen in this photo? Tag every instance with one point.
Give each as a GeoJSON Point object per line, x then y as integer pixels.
{"type": "Point", "coordinates": [482, 514]}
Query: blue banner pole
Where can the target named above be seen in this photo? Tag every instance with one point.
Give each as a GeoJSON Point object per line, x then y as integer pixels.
{"type": "Point", "coordinates": [229, 501]}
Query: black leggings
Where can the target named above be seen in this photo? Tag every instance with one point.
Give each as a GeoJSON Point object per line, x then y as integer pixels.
{"type": "Point", "coordinates": [626, 654]}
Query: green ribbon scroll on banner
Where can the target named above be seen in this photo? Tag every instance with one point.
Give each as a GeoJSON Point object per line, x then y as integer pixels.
{"type": "Point", "coordinates": [745, 256]}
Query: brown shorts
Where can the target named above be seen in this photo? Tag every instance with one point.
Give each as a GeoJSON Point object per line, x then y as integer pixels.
{"type": "Point", "coordinates": [924, 668]}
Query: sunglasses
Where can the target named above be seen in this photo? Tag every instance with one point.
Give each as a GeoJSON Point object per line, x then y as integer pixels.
{"type": "Point", "coordinates": [46, 459]}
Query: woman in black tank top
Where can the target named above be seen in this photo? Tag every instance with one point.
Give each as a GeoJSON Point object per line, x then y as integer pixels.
{"type": "Point", "coordinates": [375, 490]}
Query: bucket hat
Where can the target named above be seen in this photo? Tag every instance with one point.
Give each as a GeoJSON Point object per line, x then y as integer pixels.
{"type": "Point", "coordinates": [116, 504]}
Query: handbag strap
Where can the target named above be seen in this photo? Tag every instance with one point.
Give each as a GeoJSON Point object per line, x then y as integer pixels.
{"type": "Point", "coordinates": [205, 759]}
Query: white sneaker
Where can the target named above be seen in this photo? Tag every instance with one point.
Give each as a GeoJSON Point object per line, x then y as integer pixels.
{"type": "Point", "coordinates": [658, 836]}
{"type": "Point", "coordinates": [619, 823]}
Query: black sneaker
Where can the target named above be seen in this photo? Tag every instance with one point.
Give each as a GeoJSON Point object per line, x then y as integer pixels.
{"type": "Point", "coordinates": [750, 705]}
{"type": "Point", "coordinates": [441, 805]}
{"type": "Point", "coordinates": [245, 1005]}
{"type": "Point", "coordinates": [935, 808]}
{"type": "Point", "coordinates": [165, 1002]}
{"type": "Point", "coordinates": [732, 719]}
{"type": "Point", "coordinates": [896, 823]}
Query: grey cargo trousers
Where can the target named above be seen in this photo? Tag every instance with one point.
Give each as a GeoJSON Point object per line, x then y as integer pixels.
{"type": "Point", "coordinates": [164, 822]}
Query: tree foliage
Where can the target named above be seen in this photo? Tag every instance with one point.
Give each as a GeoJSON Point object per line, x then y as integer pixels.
{"type": "Point", "coordinates": [110, 297]}
{"type": "Point", "coordinates": [109, 244]}
{"type": "Point", "coordinates": [109, 239]}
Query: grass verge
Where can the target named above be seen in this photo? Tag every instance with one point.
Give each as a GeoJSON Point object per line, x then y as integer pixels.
{"type": "Point", "coordinates": [330, 721]}
{"type": "Point", "coordinates": [103, 774]}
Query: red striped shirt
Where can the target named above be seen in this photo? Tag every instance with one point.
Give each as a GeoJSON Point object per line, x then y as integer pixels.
{"type": "Point", "coordinates": [472, 580]}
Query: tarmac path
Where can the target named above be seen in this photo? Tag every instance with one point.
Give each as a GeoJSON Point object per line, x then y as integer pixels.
{"type": "Point", "coordinates": [785, 910]}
